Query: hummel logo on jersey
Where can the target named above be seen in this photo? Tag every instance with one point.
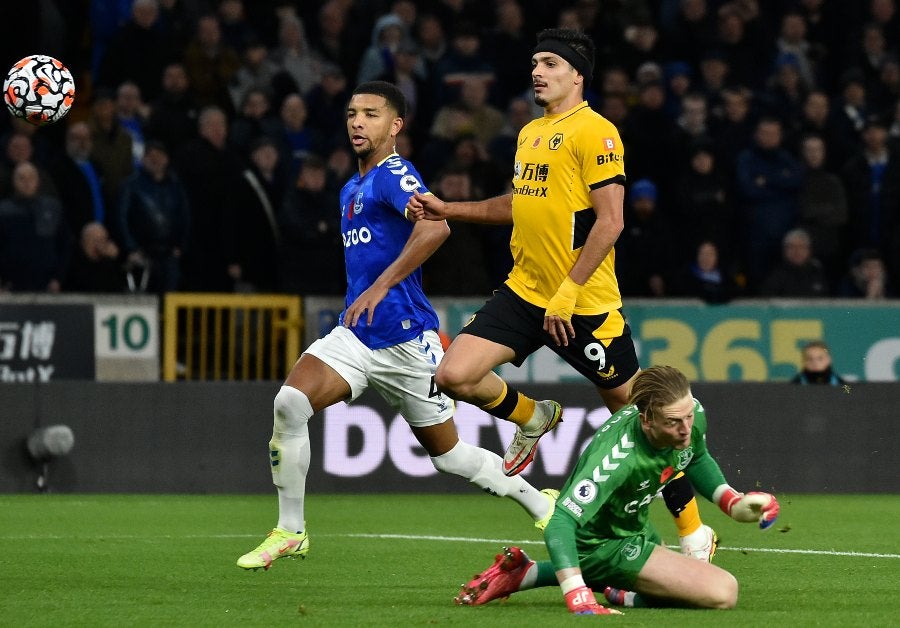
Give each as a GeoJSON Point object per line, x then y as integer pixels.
{"type": "Point", "coordinates": [396, 166]}
{"type": "Point", "coordinates": [619, 452]}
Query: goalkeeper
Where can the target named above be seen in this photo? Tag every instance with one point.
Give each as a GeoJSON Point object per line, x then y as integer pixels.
{"type": "Point", "coordinates": [600, 537]}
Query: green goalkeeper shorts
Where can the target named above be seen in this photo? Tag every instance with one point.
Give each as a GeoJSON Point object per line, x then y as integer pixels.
{"type": "Point", "coordinates": [617, 562]}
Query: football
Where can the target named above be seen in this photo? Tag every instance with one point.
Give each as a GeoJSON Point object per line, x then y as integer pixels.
{"type": "Point", "coordinates": [39, 89]}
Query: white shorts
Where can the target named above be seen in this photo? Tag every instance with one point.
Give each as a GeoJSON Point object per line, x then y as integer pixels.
{"type": "Point", "coordinates": [403, 374]}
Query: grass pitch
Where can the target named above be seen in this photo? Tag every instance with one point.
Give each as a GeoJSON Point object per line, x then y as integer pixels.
{"type": "Point", "coordinates": [398, 560]}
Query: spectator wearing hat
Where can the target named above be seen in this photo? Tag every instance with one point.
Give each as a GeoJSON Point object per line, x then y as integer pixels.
{"type": "Point", "coordinates": [643, 249]}
{"type": "Point", "coordinates": [378, 58]}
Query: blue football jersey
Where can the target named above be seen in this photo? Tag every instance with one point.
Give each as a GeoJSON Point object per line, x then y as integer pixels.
{"type": "Point", "coordinates": [375, 230]}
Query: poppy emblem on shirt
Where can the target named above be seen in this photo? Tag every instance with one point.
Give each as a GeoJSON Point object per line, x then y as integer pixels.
{"type": "Point", "coordinates": [536, 142]}
{"type": "Point", "coordinates": [666, 474]}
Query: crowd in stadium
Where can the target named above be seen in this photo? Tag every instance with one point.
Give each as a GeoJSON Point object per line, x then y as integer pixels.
{"type": "Point", "coordinates": [208, 144]}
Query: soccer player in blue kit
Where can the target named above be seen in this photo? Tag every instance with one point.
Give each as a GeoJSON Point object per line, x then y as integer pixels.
{"type": "Point", "coordinates": [387, 337]}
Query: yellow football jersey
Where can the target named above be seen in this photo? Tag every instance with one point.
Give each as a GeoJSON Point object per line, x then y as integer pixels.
{"type": "Point", "coordinates": [559, 160]}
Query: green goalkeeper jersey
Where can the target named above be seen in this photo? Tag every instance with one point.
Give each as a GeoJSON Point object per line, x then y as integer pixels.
{"type": "Point", "coordinates": [609, 492]}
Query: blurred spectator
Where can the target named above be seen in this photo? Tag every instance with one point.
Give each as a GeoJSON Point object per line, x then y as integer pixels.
{"type": "Point", "coordinates": [792, 44]}
{"type": "Point", "coordinates": [465, 60]}
{"type": "Point", "coordinates": [155, 221]}
{"type": "Point", "coordinates": [19, 149]}
{"type": "Point", "coordinates": [815, 119]}
{"type": "Point", "coordinates": [507, 45]}
{"type": "Point", "coordinates": [647, 134]}
{"type": "Point", "coordinates": [470, 114]}
{"type": "Point", "coordinates": [849, 111]}
{"type": "Point", "coordinates": [678, 77]}
{"type": "Point", "coordinates": [459, 266]}
{"type": "Point", "coordinates": [96, 265]}
{"type": "Point", "coordinates": [742, 44]}
{"type": "Point", "coordinates": [816, 366]}
{"type": "Point", "coordinates": [733, 131]}
{"type": "Point", "coordinates": [706, 278]}
{"type": "Point", "coordinates": [211, 64]}
{"type": "Point", "coordinates": [885, 93]}
{"type": "Point", "coordinates": [138, 51]}
{"type": "Point", "coordinates": [35, 242]}
{"type": "Point", "coordinates": [256, 72]}
{"type": "Point", "coordinates": [173, 115]}
{"type": "Point", "coordinates": [237, 32]}
{"type": "Point", "coordinates": [332, 39]}
{"type": "Point", "coordinates": [295, 57]}
{"type": "Point", "coordinates": [693, 32]}
{"type": "Point", "coordinates": [767, 180]}
{"type": "Point", "coordinates": [341, 164]}
{"type": "Point", "coordinates": [872, 181]}
{"type": "Point", "coordinates": [714, 76]}
{"type": "Point", "coordinates": [502, 148]}
{"type": "Point", "coordinates": [692, 125]}
{"type": "Point", "coordinates": [294, 138]}
{"type": "Point", "coordinates": [640, 44]}
{"type": "Point", "coordinates": [407, 73]}
{"type": "Point", "coordinates": [387, 34]}
{"type": "Point", "coordinates": [643, 248]}
{"type": "Point", "coordinates": [867, 277]}
{"type": "Point", "coordinates": [868, 54]}
{"type": "Point", "coordinates": [79, 180]}
{"type": "Point", "coordinates": [111, 150]}
{"type": "Point", "coordinates": [131, 112]}
{"type": "Point", "coordinates": [261, 196]}
{"type": "Point", "coordinates": [799, 274]}
{"type": "Point", "coordinates": [210, 173]}
{"type": "Point", "coordinates": [327, 106]}
{"type": "Point", "coordinates": [253, 121]}
{"type": "Point", "coordinates": [786, 89]}
{"type": "Point", "coordinates": [432, 40]}
{"type": "Point", "coordinates": [822, 207]}
{"type": "Point", "coordinates": [703, 209]}
{"type": "Point", "coordinates": [312, 250]}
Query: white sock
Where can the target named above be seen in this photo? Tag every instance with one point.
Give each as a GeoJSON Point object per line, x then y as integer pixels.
{"type": "Point", "coordinates": [485, 469]}
{"type": "Point", "coordinates": [290, 452]}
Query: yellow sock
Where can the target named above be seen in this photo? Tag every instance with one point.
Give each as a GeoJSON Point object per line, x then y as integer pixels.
{"type": "Point", "coordinates": [680, 500]}
{"type": "Point", "coordinates": [511, 405]}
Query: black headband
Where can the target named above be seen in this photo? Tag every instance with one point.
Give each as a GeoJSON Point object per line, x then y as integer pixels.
{"type": "Point", "coordinates": [584, 66]}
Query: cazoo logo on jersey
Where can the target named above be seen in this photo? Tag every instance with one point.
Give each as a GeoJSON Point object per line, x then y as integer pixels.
{"type": "Point", "coordinates": [356, 236]}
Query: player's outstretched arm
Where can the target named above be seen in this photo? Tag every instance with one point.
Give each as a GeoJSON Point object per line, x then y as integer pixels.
{"type": "Point", "coordinates": [749, 507]}
{"type": "Point", "coordinates": [492, 211]}
{"type": "Point", "coordinates": [424, 240]}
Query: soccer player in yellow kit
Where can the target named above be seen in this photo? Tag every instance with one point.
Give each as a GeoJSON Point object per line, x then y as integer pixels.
{"type": "Point", "coordinates": [566, 208]}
